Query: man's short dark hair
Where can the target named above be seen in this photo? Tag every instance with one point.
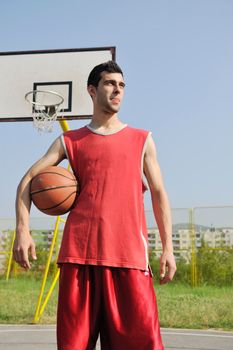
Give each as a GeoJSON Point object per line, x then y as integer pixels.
{"type": "Point", "coordinates": [95, 74]}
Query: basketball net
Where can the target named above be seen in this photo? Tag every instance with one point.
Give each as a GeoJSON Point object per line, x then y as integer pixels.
{"type": "Point", "coordinates": [45, 108]}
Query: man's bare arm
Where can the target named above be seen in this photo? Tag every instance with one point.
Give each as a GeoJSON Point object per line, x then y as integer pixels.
{"type": "Point", "coordinates": [162, 211]}
{"type": "Point", "coordinates": [24, 242]}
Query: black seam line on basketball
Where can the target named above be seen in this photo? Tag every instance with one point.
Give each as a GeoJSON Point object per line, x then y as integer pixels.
{"type": "Point", "coordinates": [51, 188]}
{"type": "Point", "coordinates": [57, 205]}
{"type": "Point", "coordinates": [54, 172]}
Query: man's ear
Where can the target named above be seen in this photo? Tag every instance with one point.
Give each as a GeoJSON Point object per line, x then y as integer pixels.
{"type": "Point", "coordinates": [91, 90]}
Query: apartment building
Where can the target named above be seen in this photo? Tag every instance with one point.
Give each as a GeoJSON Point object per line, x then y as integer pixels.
{"type": "Point", "coordinates": [184, 241]}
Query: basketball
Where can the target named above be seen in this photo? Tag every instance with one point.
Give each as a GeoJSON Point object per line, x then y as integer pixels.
{"type": "Point", "coordinates": [54, 190]}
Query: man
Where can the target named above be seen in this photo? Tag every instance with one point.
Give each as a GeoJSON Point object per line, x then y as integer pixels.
{"type": "Point", "coordinates": [105, 281]}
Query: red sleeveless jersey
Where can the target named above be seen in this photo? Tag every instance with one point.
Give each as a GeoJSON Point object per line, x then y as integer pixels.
{"type": "Point", "coordinates": [107, 225]}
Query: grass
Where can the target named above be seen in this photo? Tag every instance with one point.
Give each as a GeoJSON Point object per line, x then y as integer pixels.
{"type": "Point", "coordinates": [204, 307]}
{"type": "Point", "coordinates": [18, 300]}
{"type": "Point", "coordinates": [180, 306]}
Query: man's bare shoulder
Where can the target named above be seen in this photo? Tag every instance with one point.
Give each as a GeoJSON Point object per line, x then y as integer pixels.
{"type": "Point", "coordinates": [138, 131]}
{"type": "Point", "coordinates": [76, 133]}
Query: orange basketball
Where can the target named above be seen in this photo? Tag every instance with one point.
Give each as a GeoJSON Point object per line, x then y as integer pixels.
{"type": "Point", "coordinates": [54, 190]}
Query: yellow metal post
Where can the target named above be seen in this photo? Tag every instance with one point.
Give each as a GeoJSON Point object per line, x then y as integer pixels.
{"type": "Point", "coordinates": [64, 125]}
{"type": "Point", "coordinates": [10, 256]}
{"type": "Point", "coordinates": [40, 309]}
{"type": "Point", "coordinates": [57, 247]}
{"type": "Point", "coordinates": [36, 316]}
{"type": "Point", "coordinates": [193, 250]}
{"type": "Point", "coordinates": [48, 294]}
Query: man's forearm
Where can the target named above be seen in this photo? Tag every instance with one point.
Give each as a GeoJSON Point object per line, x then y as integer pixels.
{"type": "Point", "coordinates": [23, 242]}
{"type": "Point", "coordinates": [162, 213]}
{"type": "Point", "coordinates": [23, 205]}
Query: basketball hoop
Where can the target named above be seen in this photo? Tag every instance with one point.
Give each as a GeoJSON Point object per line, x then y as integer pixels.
{"type": "Point", "coordinates": [45, 107]}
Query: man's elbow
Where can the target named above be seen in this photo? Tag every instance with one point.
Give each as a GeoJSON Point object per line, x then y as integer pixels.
{"type": "Point", "coordinates": [158, 192]}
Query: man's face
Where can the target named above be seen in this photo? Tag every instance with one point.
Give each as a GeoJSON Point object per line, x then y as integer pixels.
{"type": "Point", "coordinates": [109, 93]}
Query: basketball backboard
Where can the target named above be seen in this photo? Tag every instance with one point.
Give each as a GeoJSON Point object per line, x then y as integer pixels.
{"type": "Point", "coordinates": [62, 71]}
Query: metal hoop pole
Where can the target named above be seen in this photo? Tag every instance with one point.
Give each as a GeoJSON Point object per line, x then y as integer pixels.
{"type": "Point", "coordinates": [55, 232]}
{"type": "Point", "coordinates": [64, 125]}
{"type": "Point", "coordinates": [40, 308]}
{"type": "Point", "coordinates": [11, 256]}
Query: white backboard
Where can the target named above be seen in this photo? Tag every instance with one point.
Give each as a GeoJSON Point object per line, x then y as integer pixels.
{"type": "Point", "coordinates": [63, 71]}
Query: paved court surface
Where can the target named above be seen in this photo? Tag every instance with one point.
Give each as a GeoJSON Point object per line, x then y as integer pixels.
{"type": "Point", "coordinates": [37, 337]}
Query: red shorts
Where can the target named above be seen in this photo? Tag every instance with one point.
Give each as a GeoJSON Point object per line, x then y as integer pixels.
{"type": "Point", "coordinates": [117, 303]}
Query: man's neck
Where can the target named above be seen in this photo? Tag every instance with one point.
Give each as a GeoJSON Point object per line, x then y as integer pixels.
{"type": "Point", "coordinates": [105, 122]}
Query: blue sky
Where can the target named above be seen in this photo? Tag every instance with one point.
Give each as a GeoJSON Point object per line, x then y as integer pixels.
{"type": "Point", "coordinates": [177, 60]}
